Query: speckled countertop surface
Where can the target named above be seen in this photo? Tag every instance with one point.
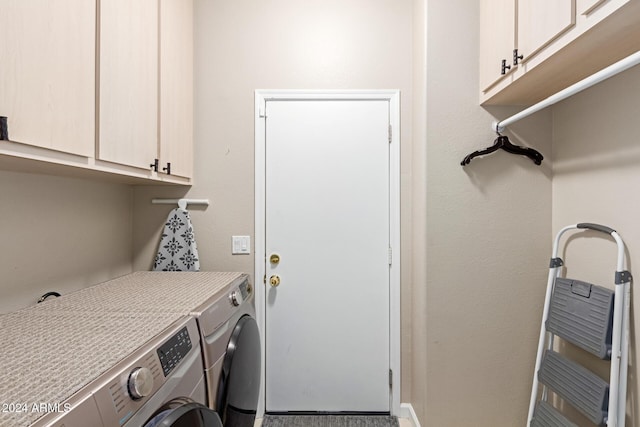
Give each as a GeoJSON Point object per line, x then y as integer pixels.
{"type": "Point", "coordinates": [52, 350]}
{"type": "Point", "coordinates": [148, 292]}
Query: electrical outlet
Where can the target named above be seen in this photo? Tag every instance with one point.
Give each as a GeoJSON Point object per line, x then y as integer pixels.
{"type": "Point", "coordinates": [240, 245]}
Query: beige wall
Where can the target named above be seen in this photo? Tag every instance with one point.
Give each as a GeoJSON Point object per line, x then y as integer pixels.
{"type": "Point", "coordinates": [413, 331]}
{"type": "Point", "coordinates": [60, 234]}
{"type": "Point", "coordinates": [244, 45]}
{"type": "Point", "coordinates": [474, 241]}
{"type": "Point", "coordinates": [596, 173]}
{"type": "Point", "coordinates": [487, 242]}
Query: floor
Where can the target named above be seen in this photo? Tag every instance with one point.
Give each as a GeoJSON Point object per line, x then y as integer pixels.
{"type": "Point", "coordinates": [402, 421]}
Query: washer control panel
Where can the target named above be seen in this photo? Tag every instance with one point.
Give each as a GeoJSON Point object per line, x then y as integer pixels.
{"type": "Point", "coordinates": [240, 293]}
{"type": "Point", "coordinates": [132, 383]}
{"type": "Point", "coordinates": [174, 350]}
{"type": "Point", "coordinates": [245, 289]}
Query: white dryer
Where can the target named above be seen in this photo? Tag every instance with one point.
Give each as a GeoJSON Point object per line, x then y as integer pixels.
{"type": "Point", "coordinates": [52, 360]}
{"type": "Point", "coordinates": [222, 304]}
{"type": "Point", "coordinates": [160, 384]}
{"type": "Point", "coordinates": [164, 375]}
{"type": "Point", "coordinates": [231, 353]}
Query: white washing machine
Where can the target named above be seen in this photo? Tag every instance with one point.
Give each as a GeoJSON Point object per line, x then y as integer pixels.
{"type": "Point", "coordinates": [231, 353]}
{"type": "Point", "coordinates": [160, 384]}
{"type": "Point", "coordinates": [53, 360]}
{"type": "Point", "coordinates": [222, 304]}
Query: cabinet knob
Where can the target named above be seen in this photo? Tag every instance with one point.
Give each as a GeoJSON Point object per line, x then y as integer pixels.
{"type": "Point", "coordinates": [154, 165]}
{"type": "Point", "coordinates": [517, 58]}
{"type": "Point", "coordinates": [505, 67]}
{"type": "Point", "coordinates": [167, 169]}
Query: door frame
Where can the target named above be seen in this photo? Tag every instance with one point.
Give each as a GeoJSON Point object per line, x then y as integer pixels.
{"type": "Point", "coordinates": [393, 97]}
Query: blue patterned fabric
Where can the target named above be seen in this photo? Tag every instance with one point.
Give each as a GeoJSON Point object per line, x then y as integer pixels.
{"type": "Point", "coordinates": [177, 250]}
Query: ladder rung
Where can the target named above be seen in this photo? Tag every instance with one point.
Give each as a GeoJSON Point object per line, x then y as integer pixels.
{"type": "Point", "coordinates": [582, 314]}
{"type": "Point", "coordinates": [546, 415]}
{"type": "Point", "coordinates": [583, 389]}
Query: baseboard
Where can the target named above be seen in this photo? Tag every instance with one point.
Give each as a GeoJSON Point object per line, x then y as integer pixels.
{"type": "Point", "coordinates": [407, 412]}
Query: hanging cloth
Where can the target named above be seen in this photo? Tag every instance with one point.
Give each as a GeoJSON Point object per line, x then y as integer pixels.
{"type": "Point", "coordinates": [177, 250]}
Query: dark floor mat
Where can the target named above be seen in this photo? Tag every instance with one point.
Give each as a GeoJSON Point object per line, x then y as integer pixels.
{"type": "Point", "coordinates": [329, 421]}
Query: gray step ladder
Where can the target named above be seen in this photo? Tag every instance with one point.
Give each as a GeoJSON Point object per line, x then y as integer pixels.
{"type": "Point", "coordinates": [595, 319]}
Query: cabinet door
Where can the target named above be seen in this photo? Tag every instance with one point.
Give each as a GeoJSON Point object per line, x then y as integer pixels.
{"type": "Point", "coordinates": [542, 21]}
{"type": "Point", "coordinates": [176, 85]}
{"type": "Point", "coordinates": [587, 6]}
{"type": "Point", "coordinates": [128, 126]}
{"type": "Point", "coordinates": [497, 38]}
{"type": "Point", "coordinates": [47, 75]}
{"type": "Point", "coordinates": [598, 10]}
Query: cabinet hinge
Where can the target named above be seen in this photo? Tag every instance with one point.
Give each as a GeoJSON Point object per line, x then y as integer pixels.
{"type": "Point", "coordinates": [390, 255]}
{"type": "Point", "coordinates": [261, 113]}
{"type": "Point", "coordinates": [390, 134]}
{"type": "Point", "coordinates": [390, 378]}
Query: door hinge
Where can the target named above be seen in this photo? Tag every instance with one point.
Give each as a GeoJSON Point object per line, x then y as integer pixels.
{"type": "Point", "coordinates": [390, 255]}
{"type": "Point", "coordinates": [390, 378]}
{"type": "Point", "coordinates": [390, 134]}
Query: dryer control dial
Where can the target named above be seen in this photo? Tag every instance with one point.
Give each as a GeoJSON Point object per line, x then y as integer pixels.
{"type": "Point", "coordinates": [140, 383]}
{"type": "Point", "coordinates": [236, 298]}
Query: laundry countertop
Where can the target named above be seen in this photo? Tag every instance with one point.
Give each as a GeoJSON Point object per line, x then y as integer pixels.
{"type": "Point", "coordinates": [48, 356]}
{"type": "Point", "coordinates": [149, 292]}
{"type": "Point", "coordinates": [52, 350]}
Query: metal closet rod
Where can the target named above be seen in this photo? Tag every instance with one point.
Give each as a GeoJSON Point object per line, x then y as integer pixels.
{"type": "Point", "coordinates": [610, 71]}
{"type": "Point", "coordinates": [182, 203]}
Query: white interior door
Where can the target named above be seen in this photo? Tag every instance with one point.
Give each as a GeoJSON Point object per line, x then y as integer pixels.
{"type": "Point", "coordinates": [327, 205]}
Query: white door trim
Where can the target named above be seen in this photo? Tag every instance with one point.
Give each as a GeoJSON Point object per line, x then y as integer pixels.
{"type": "Point", "coordinates": [393, 96]}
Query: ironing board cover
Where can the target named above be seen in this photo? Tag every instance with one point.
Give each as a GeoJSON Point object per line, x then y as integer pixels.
{"type": "Point", "coordinates": [177, 250]}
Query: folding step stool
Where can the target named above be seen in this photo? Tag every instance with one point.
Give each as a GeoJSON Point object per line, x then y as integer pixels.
{"type": "Point", "coordinates": [595, 319]}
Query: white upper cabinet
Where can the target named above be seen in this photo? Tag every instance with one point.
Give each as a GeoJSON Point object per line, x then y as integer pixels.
{"type": "Point", "coordinates": [558, 42]}
{"type": "Point", "coordinates": [47, 73]}
{"type": "Point", "coordinates": [128, 124]}
{"type": "Point", "coordinates": [497, 39]}
{"type": "Point", "coordinates": [587, 6]}
{"type": "Point", "coordinates": [513, 31]}
{"type": "Point", "coordinates": [542, 21]}
{"type": "Point", "coordinates": [176, 86]}
{"type": "Point", "coordinates": [98, 89]}
{"type": "Point", "coordinates": [146, 85]}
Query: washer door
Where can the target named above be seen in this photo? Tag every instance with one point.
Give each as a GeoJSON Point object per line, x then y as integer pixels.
{"type": "Point", "coordinates": [239, 384]}
{"type": "Point", "coordinates": [184, 412]}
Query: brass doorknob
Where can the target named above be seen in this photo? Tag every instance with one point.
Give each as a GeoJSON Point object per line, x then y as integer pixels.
{"type": "Point", "coordinates": [274, 280]}
{"type": "Point", "coordinates": [274, 259]}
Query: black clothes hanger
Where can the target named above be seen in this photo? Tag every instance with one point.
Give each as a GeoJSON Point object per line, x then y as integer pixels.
{"type": "Point", "coordinates": [504, 143]}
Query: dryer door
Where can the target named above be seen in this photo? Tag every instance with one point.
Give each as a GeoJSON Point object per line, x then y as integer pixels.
{"type": "Point", "coordinates": [184, 412]}
{"type": "Point", "coordinates": [239, 384]}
